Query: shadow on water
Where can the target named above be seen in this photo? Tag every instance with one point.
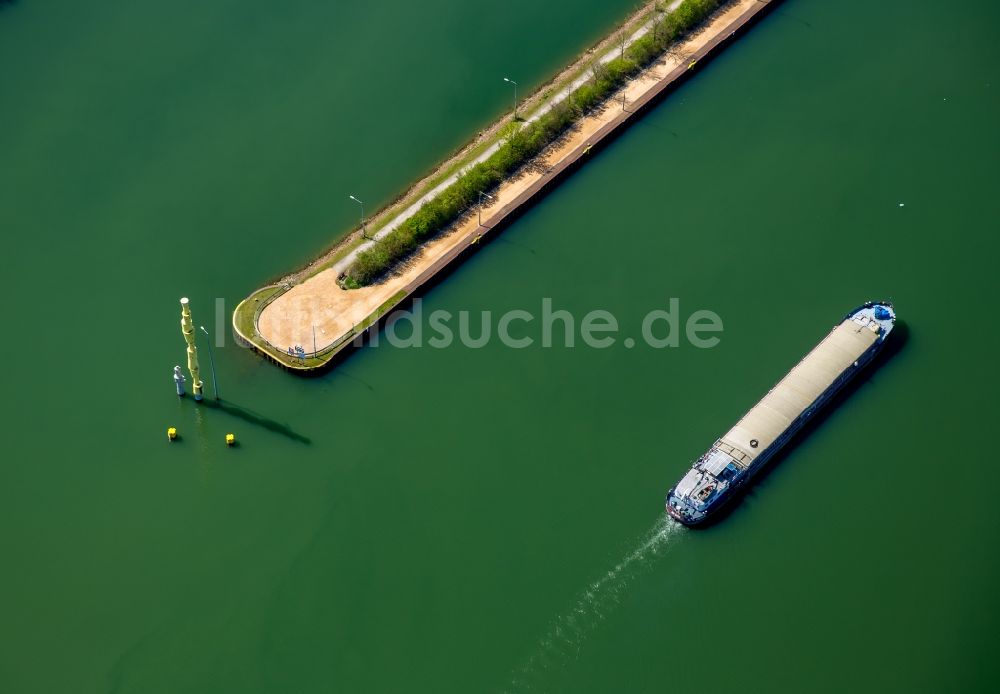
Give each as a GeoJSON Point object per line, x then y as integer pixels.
{"type": "Point", "coordinates": [4, 4]}
{"type": "Point", "coordinates": [522, 246]}
{"type": "Point", "coordinates": [256, 419]}
{"type": "Point", "coordinates": [788, 15]}
{"type": "Point", "coordinates": [893, 346]}
{"type": "Point", "coordinates": [352, 377]}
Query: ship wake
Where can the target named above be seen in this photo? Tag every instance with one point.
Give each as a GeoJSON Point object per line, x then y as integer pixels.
{"type": "Point", "coordinates": [567, 633]}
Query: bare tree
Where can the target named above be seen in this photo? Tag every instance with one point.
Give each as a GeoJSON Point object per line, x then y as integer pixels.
{"type": "Point", "coordinates": [655, 16]}
{"type": "Point", "coordinates": [621, 39]}
{"type": "Point", "coordinates": [599, 69]}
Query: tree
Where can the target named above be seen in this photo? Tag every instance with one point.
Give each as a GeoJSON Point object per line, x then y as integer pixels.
{"type": "Point", "coordinates": [655, 18]}
{"type": "Point", "coordinates": [509, 133]}
{"type": "Point", "coordinates": [599, 70]}
{"type": "Point", "coordinates": [621, 39]}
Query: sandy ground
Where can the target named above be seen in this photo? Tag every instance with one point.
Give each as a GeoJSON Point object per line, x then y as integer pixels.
{"type": "Point", "coordinates": [320, 302]}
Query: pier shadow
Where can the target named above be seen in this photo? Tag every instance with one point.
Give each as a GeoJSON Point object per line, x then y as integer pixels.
{"type": "Point", "coordinates": [893, 346]}
{"type": "Point", "coordinates": [256, 419]}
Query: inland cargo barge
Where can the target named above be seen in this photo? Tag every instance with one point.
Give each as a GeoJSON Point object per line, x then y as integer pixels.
{"type": "Point", "coordinates": [744, 450]}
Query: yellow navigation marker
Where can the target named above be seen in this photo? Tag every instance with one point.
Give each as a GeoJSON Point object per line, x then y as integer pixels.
{"type": "Point", "coordinates": [476, 240]}
{"type": "Point", "coordinates": [171, 433]}
{"type": "Point", "coordinates": [230, 439]}
{"type": "Point", "coordinates": [691, 64]}
{"type": "Point", "coordinates": [587, 150]}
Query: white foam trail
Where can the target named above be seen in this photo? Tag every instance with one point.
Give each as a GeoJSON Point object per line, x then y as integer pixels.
{"type": "Point", "coordinates": [563, 640]}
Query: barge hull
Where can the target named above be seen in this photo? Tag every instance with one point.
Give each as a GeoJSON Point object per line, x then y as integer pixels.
{"type": "Point", "coordinates": [764, 430]}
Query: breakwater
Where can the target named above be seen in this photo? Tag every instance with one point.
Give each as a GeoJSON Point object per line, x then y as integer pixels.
{"type": "Point", "coordinates": [307, 326]}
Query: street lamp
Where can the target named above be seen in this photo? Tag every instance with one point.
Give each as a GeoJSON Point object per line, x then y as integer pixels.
{"type": "Point", "coordinates": [211, 359]}
{"type": "Point", "coordinates": [507, 79]}
{"type": "Point", "coordinates": [364, 227]}
{"type": "Point", "coordinates": [481, 196]}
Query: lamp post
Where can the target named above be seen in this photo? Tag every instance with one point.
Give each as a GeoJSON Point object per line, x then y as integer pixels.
{"type": "Point", "coordinates": [364, 227]}
{"type": "Point", "coordinates": [211, 360]}
{"type": "Point", "coordinates": [507, 79]}
{"type": "Point", "coordinates": [481, 196]}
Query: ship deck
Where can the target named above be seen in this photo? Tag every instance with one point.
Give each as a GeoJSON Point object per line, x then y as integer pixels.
{"type": "Point", "coordinates": [801, 387]}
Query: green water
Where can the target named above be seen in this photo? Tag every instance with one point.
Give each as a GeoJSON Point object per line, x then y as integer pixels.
{"type": "Point", "coordinates": [491, 520]}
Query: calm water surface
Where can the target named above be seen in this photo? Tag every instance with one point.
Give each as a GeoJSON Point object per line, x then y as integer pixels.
{"type": "Point", "coordinates": [491, 520]}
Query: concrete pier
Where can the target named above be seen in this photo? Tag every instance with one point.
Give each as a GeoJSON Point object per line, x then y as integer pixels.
{"type": "Point", "coordinates": [277, 319]}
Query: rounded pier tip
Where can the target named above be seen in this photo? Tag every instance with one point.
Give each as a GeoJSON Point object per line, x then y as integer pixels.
{"type": "Point", "coordinates": [184, 301]}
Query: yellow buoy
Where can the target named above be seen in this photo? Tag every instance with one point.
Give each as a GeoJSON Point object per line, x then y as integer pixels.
{"type": "Point", "coordinates": [171, 433]}
{"type": "Point", "coordinates": [230, 439]}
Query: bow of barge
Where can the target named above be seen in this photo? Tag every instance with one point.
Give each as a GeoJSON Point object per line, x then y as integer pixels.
{"type": "Point", "coordinates": [736, 457]}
